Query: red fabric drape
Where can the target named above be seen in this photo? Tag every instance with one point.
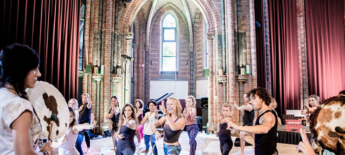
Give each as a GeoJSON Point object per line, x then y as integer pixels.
{"type": "Point", "coordinates": [260, 44]}
{"type": "Point", "coordinates": [284, 53]}
{"type": "Point", "coordinates": [51, 27]}
{"type": "Point", "coordinates": [325, 46]}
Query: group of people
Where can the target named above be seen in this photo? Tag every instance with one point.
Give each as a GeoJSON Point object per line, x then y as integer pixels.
{"type": "Point", "coordinates": [131, 121]}
{"type": "Point", "coordinates": [20, 125]}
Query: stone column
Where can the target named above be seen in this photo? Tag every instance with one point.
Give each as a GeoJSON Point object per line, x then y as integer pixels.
{"type": "Point", "coordinates": [211, 110]}
{"type": "Point", "coordinates": [127, 82]}
{"type": "Point", "coordinates": [191, 85]}
{"type": "Point", "coordinates": [147, 82]}
{"type": "Point", "coordinates": [98, 79]}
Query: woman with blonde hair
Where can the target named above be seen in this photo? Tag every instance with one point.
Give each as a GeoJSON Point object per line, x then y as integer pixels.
{"type": "Point", "coordinates": [174, 124]}
{"type": "Point", "coordinates": [128, 126]}
{"type": "Point", "coordinates": [73, 103]}
{"type": "Point", "coordinates": [313, 103]}
{"type": "Point", "coordinates": [273, 105]}
{"type": "Point", "coordinates": [224, 130]}
{"type": "Point", "coordinates": [191, 124]}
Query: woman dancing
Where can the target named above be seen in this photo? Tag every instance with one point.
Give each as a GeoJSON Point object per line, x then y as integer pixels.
{"type": "Point", "coordinates": [139, 104]}
{"type": "Point", "coordinates": [68, 147]}
{"type": "Point", "coordinates": [174, 124]}
{"type": "Point", "coordinates": [224, 131]}
{"type": "Point", "coordinates": [149, 119]}
{"type": "Point", "coordinates": [114, 116]}
{"type": "Point", "coordinates": [128, 126]}
{"type": "Point", "coordinates": [191, 124]}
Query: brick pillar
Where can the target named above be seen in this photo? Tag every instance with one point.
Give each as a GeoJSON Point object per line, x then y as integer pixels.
{"type": "Point", "coordinates": [127, 81]}
{"type": "Point", "coordinates": [253, 69]}
{"type": "Point", "coordinates": [147, 80]}
{"type": "Point", "coordinates": [230, 23]}
{"type": "Point", "coordinates": [303, 64]}
{"type": "Point", "coordinates": [97, 108]}
{"type": "Point", "coordinates": [211, 111]}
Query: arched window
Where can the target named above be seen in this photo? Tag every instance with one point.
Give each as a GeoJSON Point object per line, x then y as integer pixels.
{"type": "Point", "coordinates": [169, 44]}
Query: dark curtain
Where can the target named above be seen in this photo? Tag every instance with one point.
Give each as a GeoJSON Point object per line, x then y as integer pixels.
{"type": "Point", "coordinates": [51, 27]}
{"type": "Point", "coordinates": [260, 44]}
{"type": "Point", "coordinates": [284, 54]}
{"type": "Point", "coordinates": [325, 46]}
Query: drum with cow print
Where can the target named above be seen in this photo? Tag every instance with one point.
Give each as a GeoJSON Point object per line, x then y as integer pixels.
{"type": "Point", "coordinates": [47, 100]}
{"type": "Point", "coordinates": [326, 122]}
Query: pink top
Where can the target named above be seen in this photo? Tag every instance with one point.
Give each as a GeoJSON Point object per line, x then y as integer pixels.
{"type": "Point", "coordinates": [190, 119]}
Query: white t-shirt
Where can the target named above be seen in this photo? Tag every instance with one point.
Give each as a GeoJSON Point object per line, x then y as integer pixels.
{"type": "Point", "coordinates": [11, 107]}
{"type": "Point", "coordinates": [147, 126]}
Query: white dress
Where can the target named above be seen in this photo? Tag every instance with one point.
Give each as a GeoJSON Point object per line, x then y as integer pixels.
{"type": "Point", "coordinates": [68, 148]}
{"type": "Point", "coordinates": [11, 107]}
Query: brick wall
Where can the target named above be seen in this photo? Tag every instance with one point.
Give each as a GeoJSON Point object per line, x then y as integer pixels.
{"type": "Point", "coordinates": [183, 55]}
{"type": "Point", "coordinates": [139, 56]}
{"type": "Point", "coordinates": [199, 48]}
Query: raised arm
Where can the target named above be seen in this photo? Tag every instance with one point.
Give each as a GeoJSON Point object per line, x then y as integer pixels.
{"type": "Point", "coordinates": [268, 121]}
{"type": "Point", "coordinates": [247, 107]}
{"type": "Point", "coordinates": [180, 123]}
{"type": "Point", "coordinates": [89, 104]}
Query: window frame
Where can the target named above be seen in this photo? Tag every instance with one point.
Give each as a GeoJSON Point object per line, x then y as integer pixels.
{"type": "Point", "coordinates": [163, 41]}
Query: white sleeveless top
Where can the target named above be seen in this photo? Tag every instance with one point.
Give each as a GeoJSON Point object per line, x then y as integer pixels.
{"type": "Point", "coordinates": [68, 148]}
{"type": "Point", "coordinates": [151, 120]}
{"type": "Point", "coordinates": [11, 107]}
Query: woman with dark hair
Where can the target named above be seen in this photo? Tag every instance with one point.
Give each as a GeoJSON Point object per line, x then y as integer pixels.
{"type": "Point", "coordinates": [128, 126]}
{"type": "Point", "coordinates": [150, 119]}
{"type": "Point", "coordinates": [68, 147]}
{"type": "Point", "coordinates": [139, 104]}
{"type": "Point", "coordinates": [20, 126]}
{"type": "Point", "coordinates": [114, 116]}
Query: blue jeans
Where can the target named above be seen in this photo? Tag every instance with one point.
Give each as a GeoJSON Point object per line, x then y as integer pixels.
{"type": "Point", "coordinates": [78, 144]}
{"type": "Point", "coordinates": [151, 138]}
{"type": "Point", "coordinates": [172, 149]}
{"type": "Point", "coordinates": [80, 139]}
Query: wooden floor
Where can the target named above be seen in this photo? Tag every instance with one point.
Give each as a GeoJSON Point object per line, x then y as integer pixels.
{"type": "Point", "coordinates": [207, 145]}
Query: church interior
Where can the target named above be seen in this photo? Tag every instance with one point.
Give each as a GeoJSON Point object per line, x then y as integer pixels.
{"type": "Point", "coordinates": [214, 50]}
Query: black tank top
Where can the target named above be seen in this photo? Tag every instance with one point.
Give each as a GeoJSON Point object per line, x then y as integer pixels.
{"type": "Point", "coordinates": [248, 117]}
{"type": "Point", "coordinates": [224, 134]}
{"type": "Point", "coordinates": [171, 136]}
{"type": "Point", "coordinates": [128, 141]}
{"type": "Point", "coordinates": [85, 115]}
{"type": "Point", "coordinates": [266, 144]}
{"type": "Point", "coordinates": [115, 121]}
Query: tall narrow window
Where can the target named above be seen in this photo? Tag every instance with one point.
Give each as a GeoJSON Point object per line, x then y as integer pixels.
{"type": "Point", "coordinates": [81, 32]}
{"type": "Point", "coordinates": [169, 44]}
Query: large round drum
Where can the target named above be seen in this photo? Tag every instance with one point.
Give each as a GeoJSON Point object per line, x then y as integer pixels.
{"type": "Point", "coordinates": [324, 121]}
{"type": "Point", "coordinates": [46, 100]}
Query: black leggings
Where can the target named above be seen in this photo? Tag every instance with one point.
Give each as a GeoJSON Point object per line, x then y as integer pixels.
{"type": "Point", "coordinates": [225, 147]}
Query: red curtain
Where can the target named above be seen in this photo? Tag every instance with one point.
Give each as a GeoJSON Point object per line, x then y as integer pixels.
{"type": "Point", "coordinates": [51, 27]}
{"type": "Point", "coordinates": [325, 46]}
{"type": "Point", "coordinates": [284, 54]}
{"type": "Point", "coordinates": [260, 44]}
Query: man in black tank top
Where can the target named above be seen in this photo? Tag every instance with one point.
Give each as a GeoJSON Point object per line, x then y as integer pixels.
{"type": "Point", "coordinates": [265, 128]}
{"type": "Point", "coordinates": [247, 118]}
